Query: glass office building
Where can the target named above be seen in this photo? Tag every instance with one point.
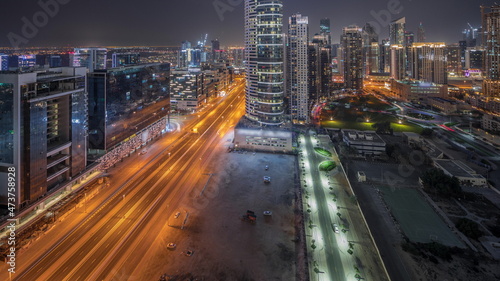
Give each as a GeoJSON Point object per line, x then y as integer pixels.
{"type": "Point", "coordinates": [125, 100]}
{"type": "Point", "coordinates": [42, 130]}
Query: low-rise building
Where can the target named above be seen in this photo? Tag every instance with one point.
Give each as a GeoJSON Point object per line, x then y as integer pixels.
{"type": "Point", "coordinates": [365, 142]}
{"type": "Point", "coordinates": [247, 136]}
{"type": "Point", "coordinates": [445, 106]}
{"type": "Point", "coordinates": [455, 168]}
{"type": "Point", "coordinates": [417, 91]}
{"type": "Point", "coordinates": [490, 123]}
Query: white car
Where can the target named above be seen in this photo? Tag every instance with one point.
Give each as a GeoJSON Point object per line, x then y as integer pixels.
{"type": "Point", "coordinates": [267, 179]}
{"type": "Point", "coordinates": [336, 228]}
{"type": "Point", "coordinates": [267, 213]}
{"type": "Point", "coordinates": [177, 214]}
{"type": "Point", "coordinates": [171, 246]}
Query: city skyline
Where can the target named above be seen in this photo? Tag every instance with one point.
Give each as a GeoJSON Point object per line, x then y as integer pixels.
{"type": "Point", "coordinates": [78, 23]}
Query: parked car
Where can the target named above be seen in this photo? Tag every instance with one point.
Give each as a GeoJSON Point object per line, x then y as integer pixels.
{"type": "Point", "coordinates": [267, 167]}
{"type": "Point", "coordinates": [267, 213]}
{"type": "Point", "coordinates": [267, 179]}
{"type": "Point", "coordinates": [336, 228]}
{"type": "Point", "coordinates": [177, 214]}
{"type": "Point", "coordinates": [189, 253]}
{"type": "Point", "coordinates": [171, 246]}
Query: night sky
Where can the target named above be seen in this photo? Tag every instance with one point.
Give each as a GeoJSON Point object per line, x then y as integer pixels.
{"type": "Point", "coordinates": [168, 22]}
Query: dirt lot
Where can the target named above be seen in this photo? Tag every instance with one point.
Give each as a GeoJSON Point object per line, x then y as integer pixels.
{"type": "Point", "coordinates": [226, 247]}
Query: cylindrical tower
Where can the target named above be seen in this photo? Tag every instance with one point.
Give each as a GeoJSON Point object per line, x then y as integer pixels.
{"type": "Point", "coordinates": [264, 61]}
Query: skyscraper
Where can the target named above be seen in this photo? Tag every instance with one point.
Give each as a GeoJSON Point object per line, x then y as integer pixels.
{"type": "Point", "coordinates": [421, 33]}
{"type": "Point", "coordinates": [124, 59]}
{"type": "Point", "coordinates": [324, 25]}
{"type": "Point", "coordinates": [397, 31]}
{"type": "Point", "coordinates": [470, 36]}
{"type": "Point", "coordinates": [398, 62]}
{"type": "Point", "coordinates": [91, 58]}
{"type": "Point", "coordinates": [491, 42]}
{"type": "Point", "coordinates": [264, 61]}
{"type": "Point", "coordinates": [370, 37]}
{"type": "Point", "coordinates": [215, 45]}
{"type": "Point", "coordinates": [44, 125]}
{"type": "Point", "coordinates": [4, 62]}
{"type": "Point", "coordinates": [474, 58]}
{"type": "Point", "coordinates": [409, 38]}
{"type": "Point", "coordinates": [428, 62]}
{"type": "Point", "coordinates": [352, 56]}
{"type": "Point", "coordinates": [385, 57]}
{"type": "Point", "coordinates": [297, 68]}
{"type": "Point", "coordinates": [124, 101]}
{"type": "Point", "coordinates": [313, 71]}
{"type": "Point", "coordinates": [453, 59]}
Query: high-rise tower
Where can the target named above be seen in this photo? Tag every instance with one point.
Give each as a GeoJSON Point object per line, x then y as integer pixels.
{"type": "Point", "coordinates": [264, 61]}
{"type": "Point", "coordinates": [352, 55]}
{"type": "Point", "coordinates": [397, 31]}
{"type": "Point", "coordinates": [421, 33]}
{"type": "Point", "coordinates": [297, 68]}
{"type": "Point", "coordinates": [491, 41]}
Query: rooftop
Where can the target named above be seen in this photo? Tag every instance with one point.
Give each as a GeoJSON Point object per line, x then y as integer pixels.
{"type": "Point", "coordinates": [456, 168]}
{"type": "Point", "coordinates": [362, 136]}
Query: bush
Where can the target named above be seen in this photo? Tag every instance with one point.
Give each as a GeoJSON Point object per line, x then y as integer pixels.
{"type": "Point", "coordinates": [327, 166]}
{"type": "Point", "coordinates": [323, 152]}
{"type": "Point", "coordinates": [469, 228]}
{"type": "Point", "coordinates": [436, 181]}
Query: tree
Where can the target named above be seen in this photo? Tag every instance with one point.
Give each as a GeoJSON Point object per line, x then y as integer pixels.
{"type": "Point", "coordinates": [383, 127]}
{"type": "Point", "coordinates": [469, 228]}
{"type": "Point", "coordinates": [436, 181]}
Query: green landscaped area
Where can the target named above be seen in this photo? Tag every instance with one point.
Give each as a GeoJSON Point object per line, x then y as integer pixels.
{"type": "Point", "coordinates": [368, 101]}
{"type": "Point", "coordinates": [323, 152]}
{"type": "Point", "coordinates": [362, 114]}
{"type": "Point", "coordinates": [367, 126]}
{"type": "Point", "coordinates": [416, 217]}
{"type": "Point", "coordinates": [327, 166]}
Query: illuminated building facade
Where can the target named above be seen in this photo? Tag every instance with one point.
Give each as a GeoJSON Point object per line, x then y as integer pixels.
{"type": "Point", "coordinates": [91, 58]}
{"type": "Point", "coordinates": [352, 57]}
{"type": "Point", "coordinates": [43, 130]}
{"type": "Point", "coordinates": [491, 43]}
{"type": "Point", "coordinates": [428, 62]}
{"type": "Point", "coordinates": [125, 100]}
{"type": "Point", "coordinates": [297, 68]}
{"type": "Point", "coordinates": [398, 62]}
{"type": "Point", "coordinates": [264, 61]}
{"type": "Point", "coordinates": [397, 31]}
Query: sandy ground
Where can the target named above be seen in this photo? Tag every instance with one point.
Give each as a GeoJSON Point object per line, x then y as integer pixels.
{"type": "Point", "coordinates": [225, 247]}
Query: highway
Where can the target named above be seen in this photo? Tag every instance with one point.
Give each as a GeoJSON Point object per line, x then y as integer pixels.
{"type": "Point", "coordinates": [116, 234]}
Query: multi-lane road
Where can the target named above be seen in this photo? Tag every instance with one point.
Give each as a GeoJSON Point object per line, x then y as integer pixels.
{"type": "Point", "coordinates": [116, 234]}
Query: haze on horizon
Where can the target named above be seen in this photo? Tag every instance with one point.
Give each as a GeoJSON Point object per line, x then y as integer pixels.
{"type": "Point", "coordinates": [168, 23]}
